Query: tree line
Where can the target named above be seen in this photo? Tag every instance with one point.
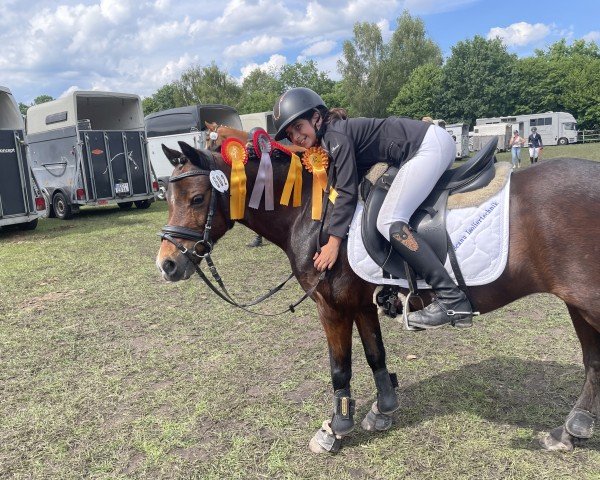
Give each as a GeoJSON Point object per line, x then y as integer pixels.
{"type": "Point", "coordinates": [408, 76]}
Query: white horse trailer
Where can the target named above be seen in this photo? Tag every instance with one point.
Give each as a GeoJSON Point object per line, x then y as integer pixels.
{"type": "Point", "coordinates": [184, 124]}
{"type": "Point", "coordinates": [460, 134]}
{"type": "Point", "coordinates": [262, 120]}
{"type": "Point", "coordinates": [88, 149]}
{"type": "Point", "coordinates": [555, 128]}
{"type": "Point", "coordinates": [482, 134]}
{"type": "Point", "coordinates": [20, 197]}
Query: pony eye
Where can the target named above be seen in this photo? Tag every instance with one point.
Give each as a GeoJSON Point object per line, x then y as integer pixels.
{"type": "Point", "coordinates": [197, 200]}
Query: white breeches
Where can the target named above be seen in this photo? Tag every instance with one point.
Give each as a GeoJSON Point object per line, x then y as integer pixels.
{"type": "Point", "coordinates": [416, 179]}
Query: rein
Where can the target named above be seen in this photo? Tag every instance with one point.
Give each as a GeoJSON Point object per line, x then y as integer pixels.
{"type": "Point", "coordinates": [171, 233]}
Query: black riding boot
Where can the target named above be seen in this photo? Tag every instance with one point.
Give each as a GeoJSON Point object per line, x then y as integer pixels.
{"type": "Point", "coordinates": [451, 305]}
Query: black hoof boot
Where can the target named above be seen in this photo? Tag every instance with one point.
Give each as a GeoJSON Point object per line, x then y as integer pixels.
{"type": "Point", "coordinates": [257, 242]}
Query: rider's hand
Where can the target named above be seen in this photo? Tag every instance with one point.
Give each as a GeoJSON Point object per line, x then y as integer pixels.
{"type": "Point", "coordinates": [328, 255]}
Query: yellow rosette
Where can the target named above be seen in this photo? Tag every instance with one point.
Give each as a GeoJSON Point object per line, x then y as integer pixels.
{"type": "Point", "coordinates": [315, 160]}
{"type": "Point", "coordinates": [234, 153]}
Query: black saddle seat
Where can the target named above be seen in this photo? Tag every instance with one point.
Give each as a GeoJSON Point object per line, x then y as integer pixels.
{"type": "Point", "coordinates": [430, 218]}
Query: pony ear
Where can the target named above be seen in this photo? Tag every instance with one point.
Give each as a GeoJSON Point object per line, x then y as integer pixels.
{"type": "Point", "coordinates": [172, 155]}
{"type": "Point", "coordinates": [211, 126]}
{"type": "Point", "coordinates": [197, 157]}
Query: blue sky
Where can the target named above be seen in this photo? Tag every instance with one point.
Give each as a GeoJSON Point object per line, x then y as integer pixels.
{"type": "Point", "coordinates": [136, 46]}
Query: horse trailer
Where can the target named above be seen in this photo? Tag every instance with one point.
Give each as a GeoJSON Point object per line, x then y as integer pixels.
{"type": "Point", "coordinates": [262, 120]}
{"type": "Point", "coordinates": [555, 128]}
{"type": "Point", "coordinates": [460, 134]}
{"type": "Point", "coordinates": [184, 124]}
{"type": "Point", "coordinates": [482, 134]}
{"type": "Point", "coordinates": [20, 197]}
{"type": "Point", "coordinates": [89, 149]}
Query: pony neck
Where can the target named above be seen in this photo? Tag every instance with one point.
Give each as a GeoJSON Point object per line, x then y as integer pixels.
{"type": "Point", "coordinates": [275, 225]}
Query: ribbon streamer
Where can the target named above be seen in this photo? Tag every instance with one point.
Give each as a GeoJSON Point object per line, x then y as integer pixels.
{"type": "Point", "coordinates": [234, 153]}
{"type": "Point", "coordinates": [264, 177]}
{"type": "Point", "coordinates": [293, 183]}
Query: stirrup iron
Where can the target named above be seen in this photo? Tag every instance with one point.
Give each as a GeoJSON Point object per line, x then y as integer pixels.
{"type": "Point", "coordinates": [406, 308]}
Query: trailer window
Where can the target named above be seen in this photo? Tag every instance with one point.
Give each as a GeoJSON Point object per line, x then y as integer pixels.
{"type": "Point", "coordinates": [533, 122]}
{"type": "Point", "coordinates": [548, 121]}
{"type": "Point", "coordinates": [56, 118]}
{"type": "Point", "coordinates": [569, 125]}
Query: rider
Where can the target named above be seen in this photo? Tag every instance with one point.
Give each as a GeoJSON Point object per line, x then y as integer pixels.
{"type": "Point", "coordinates": [424, 151]}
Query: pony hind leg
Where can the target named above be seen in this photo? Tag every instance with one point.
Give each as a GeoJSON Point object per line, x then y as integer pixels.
{"type": "Point", "coordinates": [379, 418]}
{"type": "Point", "coordinates": [579, 425]}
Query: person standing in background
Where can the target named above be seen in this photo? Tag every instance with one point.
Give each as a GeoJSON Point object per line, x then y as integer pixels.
{"type": "Point", "coordinates": [516, 142]}
{"type": "Point", "coordinates": [535, 145]}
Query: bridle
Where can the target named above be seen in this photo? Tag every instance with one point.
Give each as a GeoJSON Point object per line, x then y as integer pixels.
{"type": "Point", "coordinates": [171, 233]}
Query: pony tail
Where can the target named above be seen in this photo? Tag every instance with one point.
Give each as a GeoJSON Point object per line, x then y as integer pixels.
{"type": "Point", "coordinates": [336, 114]}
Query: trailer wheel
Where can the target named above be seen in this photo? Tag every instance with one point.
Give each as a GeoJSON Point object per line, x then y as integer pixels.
{"type": "Point", "coordinates": [61, 207]}
{"type": "Point", "coordinates": [125, 205]}
{"type": "Point", "coordinates": [563, 141]}
{"type": "Point", "coordinates": [28, 225]}
{"type": "Point", "coordinates": [142, 204]}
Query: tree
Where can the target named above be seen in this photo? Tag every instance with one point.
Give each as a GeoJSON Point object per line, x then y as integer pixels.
{"type": "Point", "coordinates": [164, 98]}
{"type": "Point", "coordinates": [207, 85]}
{"type": "Point", "coordinates": [260, 90]}
{"type": "Point", "coordinates": [374, 72]}
{"type": "Point", "coordinates": [36, 101]}
{"type": "Point", "coordinates": [363, 71]}
{"type": "Point", "coordinates": [478, 81]}
{"type": "Point", "coordinates": [409, 48]}
{"type": "Point", "coordinates": [307, 75]}
{"type": "Point", "coordinates": [420, 96]}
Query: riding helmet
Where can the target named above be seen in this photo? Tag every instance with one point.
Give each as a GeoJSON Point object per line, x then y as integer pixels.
{"type": "Point", "coordinates": [291, 105]}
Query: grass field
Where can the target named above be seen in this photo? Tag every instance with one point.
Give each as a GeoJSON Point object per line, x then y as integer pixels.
{"type": "Point", "coordinates": [107, 371]}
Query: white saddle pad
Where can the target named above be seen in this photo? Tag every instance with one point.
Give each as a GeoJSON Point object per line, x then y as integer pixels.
{"type": "Point", "coordinates": [479, 235]}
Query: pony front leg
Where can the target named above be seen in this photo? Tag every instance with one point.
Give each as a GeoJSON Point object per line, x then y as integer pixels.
{"type": "Point", "coordinates": [338, 329]}
{"type": "Point", "coordinates": [379, 417]}
{"type": "Point", "coordinates": [580, 422]}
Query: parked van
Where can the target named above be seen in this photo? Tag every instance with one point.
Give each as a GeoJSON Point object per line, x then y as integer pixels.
{"type": "Point", "coordinates": [184, 124]}
{"type": "Point", "coordinates": [262, 120]}
{"type": "Point", "coordinates": [555, 128]}
{"type": "Point", "coordinates": [89, 148]}
{"type": "Point", "coordinates": [20, 197]}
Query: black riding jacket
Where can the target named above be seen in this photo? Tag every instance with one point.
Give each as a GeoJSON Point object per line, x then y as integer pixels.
{"type": "Point", "coordinates": [355, 145]}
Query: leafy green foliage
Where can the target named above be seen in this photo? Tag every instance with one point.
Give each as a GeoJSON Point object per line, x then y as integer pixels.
{"type": "Point", "coordinates": [207, 84]}
{"type": "Point", "coordinates": [164, 98]}
{"type": "Point", "coordinates": [478, 80]}
{"type": "Point", "coordinates": [420, 95]}
{"type": "Point", "coordinates": [36, 101]}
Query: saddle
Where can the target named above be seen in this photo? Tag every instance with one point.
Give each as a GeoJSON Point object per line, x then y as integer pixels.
{"type": "Point", "coordinates": [429, 220]}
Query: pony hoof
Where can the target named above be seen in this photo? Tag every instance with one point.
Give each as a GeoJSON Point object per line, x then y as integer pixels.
{"type": "Point", "coordinates": [558, 440]}
{"type": "Point", "coordinates": [325, 441]}
{"type": "Point", "coordinates": [375, 421]}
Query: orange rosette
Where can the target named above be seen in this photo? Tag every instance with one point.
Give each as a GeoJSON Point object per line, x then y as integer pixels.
{"type": "Point", "coordinates": [234, 153]}
{"type": "Point", "coordinates": [315, 160]}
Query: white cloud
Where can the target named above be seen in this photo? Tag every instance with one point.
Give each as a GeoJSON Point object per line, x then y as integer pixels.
{"type": "Point", "coordinates": [427, 7]}
{"type": "Point", "coordinates": [275, 62]}
{"type": "Point", "coordinates": [520, 34]}
{"type": "Point", "coordinates": [319, 48]}
{"type": "Point", "coordinates": [593, 36]}
{"type": "Point", "coordinates": [255, 46]}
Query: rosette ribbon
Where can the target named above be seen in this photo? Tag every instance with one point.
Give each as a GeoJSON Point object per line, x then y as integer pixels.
{"type": "Point", "coordinates": [264, 176]}
{"type": "Point", "coordinates": [293, 182]}
{"type": "Point", "coordinates": [315, 160]}
{"type": "Point", "coordinates": [234, 154]}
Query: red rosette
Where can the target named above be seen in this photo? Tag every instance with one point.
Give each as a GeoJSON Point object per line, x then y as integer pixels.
{"type": "Point", "coordinates": [282, 148]}
{"type": "Point", "coordinates": [233, 149]}
{"type": "Point", "coordinates": [260, 136]}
